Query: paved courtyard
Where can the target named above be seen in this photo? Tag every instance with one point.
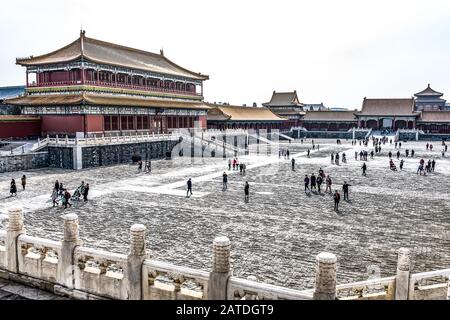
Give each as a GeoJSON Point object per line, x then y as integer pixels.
{"type": "Point", "coordinates": [275, 236]}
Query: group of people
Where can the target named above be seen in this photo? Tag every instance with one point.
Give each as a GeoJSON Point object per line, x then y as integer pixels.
{"type": "Point", "coordinates": [13, 187]}
{"type": "Point", "coordinates": [284, 153]}
{"type": "Point", "coordinates": [147, 166]}
{"type": "Point", "coordinates": [335, 158]}
{"type": "Point", "coordinates": [237, 165]}
{"type": "Point", "coordinates": [363, 155]}
{"type": "Point", "coordinates": [62, 194]}
{"type": "Point", "coordinates": [314, 182]}
{"type": "Point", "coordinates": [426, 168]}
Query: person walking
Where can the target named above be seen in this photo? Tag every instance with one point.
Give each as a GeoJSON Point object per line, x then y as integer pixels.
{"type": "Point", "coordinates": [189, 187]}
{"type": "Point", "coordinates": [229, 164]}
{"type": "Point", "coordinates": [313, 182]}
{"type": "Point", "coordinates": [306, 181]}
{"type": "Point", "coordinates": [337, 198]}
{"type": "Point", "coordinates": [57, 186]}
{"type": "Point", "coordinates": [246, 191]}
{"type": "Point", "coordinates": [364, 168]}
{"type": "Point", "coordinates": [433, 164]}
{"type": "Point", "coordinates": [67, 199]}
{"type": "Point", "coordinates": [293, 164]}
{"type": "Point", "coordinates": [319, 181]}
{"type": "Point", "coordinates": [345, 189]}
{"type": "Point", "coordinates": [398, 154]}
{"type": "Point", "coordinates": [307, 153]}
{"type": "Point", "coordinates": [13, 188]}
{"type": "Point", "coordinates": [55, 197]}
{"type": "Point", "coordinates": [329, 183]}
{"type": "Point", "coordinates": [24, 182]}
{"type": "Point", "coordinates": [401, 164]}
{"type": "Point", "coordinates": [86, 192]}
{"type": "Point", "coordinates": [224, 181]}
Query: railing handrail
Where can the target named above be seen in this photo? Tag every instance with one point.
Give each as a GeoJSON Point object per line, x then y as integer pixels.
{"type": "Point", "coordinates": [102, 254]}
{"type": "Point", "coordinates": [268, 289]}
{"type": "Point", "coordinates": [40, 241]}
{"type": "Point", "coordinates": [430, 274]}
{"type": "Point", "coordinates": [179, 270]}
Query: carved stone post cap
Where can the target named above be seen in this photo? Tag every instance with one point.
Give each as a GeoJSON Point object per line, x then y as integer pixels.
{"type": "Point", "coordinates": [10, 210]}
{"type": "Point", "coordinates": [138, 228]}
{"type": "Point", "coordinates": [15, 219]}
{"type": "Point", "coordinates": [326, 257]}
{"type": "Point", "coordinates": [221, 241]}
{"type": "Point", "coordinates": [70, 217]}
{"type": "Point", "coordinates": [404, 259]}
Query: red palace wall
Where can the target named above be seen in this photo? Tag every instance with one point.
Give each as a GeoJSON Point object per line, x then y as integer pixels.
{"type": "Point", "coordinates": [20, 129]}
{"type": "Point", "coordinates": [203, 123]}
{"type": "Point", "coordinates": [94, 123]}
{"type": "Point", "coordinates": [62, 124]}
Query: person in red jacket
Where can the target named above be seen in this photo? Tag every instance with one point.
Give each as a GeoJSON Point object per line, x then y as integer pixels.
{"type": "Point", "coordinates": [337, 198]}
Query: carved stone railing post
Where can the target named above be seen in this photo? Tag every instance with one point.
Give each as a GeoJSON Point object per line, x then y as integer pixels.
{"type": "Point", "coordinates": [14, 230]}
{"type": "Point", "coordinates": [221, 270]}
{"type": "Point", "coordinates": [402, 277]}
{"type": "Point", "coordinates": [66, 261]}
{"type": "Point", "coordinates": [136, 258]}
{"type": "Point", "coordinates": [325, 287]}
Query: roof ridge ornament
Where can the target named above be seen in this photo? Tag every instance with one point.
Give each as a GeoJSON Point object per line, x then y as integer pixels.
{"type": "Point", "coordinates": [82, 35]}
{"type": "Point", "coordinates": [161, 51]}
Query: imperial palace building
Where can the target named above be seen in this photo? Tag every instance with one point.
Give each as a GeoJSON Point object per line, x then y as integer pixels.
{"type": "Point", "coordinates": [92, 86]}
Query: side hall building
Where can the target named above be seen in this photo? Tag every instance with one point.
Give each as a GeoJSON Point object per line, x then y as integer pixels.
{"type": "Point", "coordinates": [92, 86]}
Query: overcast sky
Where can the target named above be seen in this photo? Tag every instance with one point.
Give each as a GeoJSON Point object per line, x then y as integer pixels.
{"type": "Point", "coordinates": [335, 52]}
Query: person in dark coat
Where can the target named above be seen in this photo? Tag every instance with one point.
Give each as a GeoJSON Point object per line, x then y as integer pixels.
{"type": "Point", "coordinates": [313, 182]}
{"type": "Point", "coordinates": [57, 185]}
{"type": "Point", "coordinates": [189, 187]}
{"type": "Point", "coordinates": [319, 182]}
{"type": "Point", "coordinates": [337, 198]}
{"type": "Point", "coordinates": [13, 188]}
{"type": "Point", "coordinates": [246, 191]}
{"type": "Point", "coordinates": [306, 181]}
{"type": "Point", "coordinates": [345, 189]}
{"type": "Point", "coordinates": [293, 163]}
{"type": "Point", "coordinates": [224, 181]}
{"type": "Point", "coordinates": [86, 192]}
{"type": "Point", "coordinates": [329, 183]}
{"type": "Point", "coordinates": [364, 168]}
{"type": "Point", "coordinates": [66, 199]}
{"type": "Point", "coordinates": [24, 182]}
